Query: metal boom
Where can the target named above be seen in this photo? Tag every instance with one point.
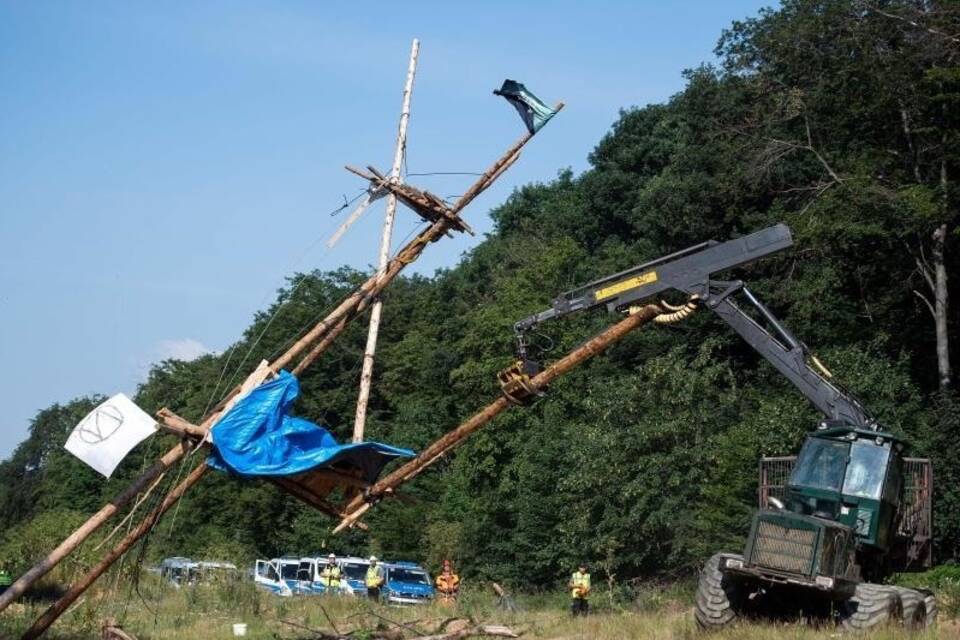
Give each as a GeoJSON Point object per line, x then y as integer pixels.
{"type": "Point", "coordinates": [691, 271]}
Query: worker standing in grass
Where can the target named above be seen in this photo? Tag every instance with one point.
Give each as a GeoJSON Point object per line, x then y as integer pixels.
{"type": "Point", "coordinates": [375, 579]}
{"type": "Point", "coordinates": [580, 590]}
{"type": "Point", "coordinates": [448, 584]}
{"type": "Point", "coordinates": [330, 576]}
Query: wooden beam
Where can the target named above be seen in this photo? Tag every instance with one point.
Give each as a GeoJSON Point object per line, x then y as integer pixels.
{"type": "Point", "coordinates": [426, 205]}
{"type": "Point", "coordinates": [93, 523]}
{"type": "Point", "coordinates": [366, 373]}
{"type": "Point", "coordinates": [57, 608]}
{"type": "Point", "coordinates": [315, 501]}
{"type": "Point", "coordinates": [172, 423]}
{"type": "Point", "coordinates": [361, 504]}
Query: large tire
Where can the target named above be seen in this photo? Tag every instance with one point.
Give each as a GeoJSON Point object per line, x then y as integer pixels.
{"type": "Point", "coordinates": [718, 597]}
{"type": "Point", "coordinates": [914, 608]}
{"type": "Point", "coordinates": [930, 601]}
{"type": "Point", "coordinates": [872, 605]}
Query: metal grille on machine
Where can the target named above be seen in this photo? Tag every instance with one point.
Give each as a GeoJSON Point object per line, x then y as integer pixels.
{"type": "Point", "coordinates": [778, 547]}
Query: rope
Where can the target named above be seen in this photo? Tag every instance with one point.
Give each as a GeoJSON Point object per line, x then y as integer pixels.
{"type": "Point", "coordinates": [346, 203]}
{"type": "Point", "coordinates": [133, 510]}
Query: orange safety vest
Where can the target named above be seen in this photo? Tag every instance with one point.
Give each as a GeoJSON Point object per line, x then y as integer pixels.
{"type": "Point", "coordinates": [448, 583]}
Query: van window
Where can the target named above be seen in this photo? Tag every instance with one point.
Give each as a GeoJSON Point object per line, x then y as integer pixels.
{"type": "Point", "coordinates": [289, 570]}
{"type": "Point", "coordinates": [354, 570]}
{"type": "Point", "coordinates": [409, 575]}
{"type": "Point", "coordinates": [305, 571]}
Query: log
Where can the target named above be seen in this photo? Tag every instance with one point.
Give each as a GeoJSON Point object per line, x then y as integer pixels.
{"type": "Point", "coordinates": [172, 423]}
{"type": "Point", "coordinates": [475, 632]}
{"type": "Point", "coordinates": [361, 504]}
{"type": "Point", "coordinates": [84, 531]}
{"type": "Point", "coordinates": [57, 608]}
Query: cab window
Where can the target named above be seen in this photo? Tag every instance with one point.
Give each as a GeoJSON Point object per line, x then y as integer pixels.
{"type": "Point", "coordinates": [821, 464]}
{"type": "Point", "coordinates": [866, 470]}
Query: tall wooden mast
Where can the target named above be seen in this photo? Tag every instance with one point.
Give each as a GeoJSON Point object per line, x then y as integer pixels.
{"type": "Point", "coordinates": [366, 375]}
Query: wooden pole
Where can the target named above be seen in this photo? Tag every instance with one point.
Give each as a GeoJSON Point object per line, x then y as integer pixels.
{"type": "Point", "coordinates": [84, 531]}
{"type": "Point", "coordinates": [366, 375]}
{"type": "Point", "coordinates": [53, 612]}
{"type": "Point", "coordinates": [361, 504]}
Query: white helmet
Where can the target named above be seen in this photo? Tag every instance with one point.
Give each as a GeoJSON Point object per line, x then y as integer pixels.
{"type": "Point", "coordinates": [373, 558]}
{"type": "Point", "coordinates": [331, 557]}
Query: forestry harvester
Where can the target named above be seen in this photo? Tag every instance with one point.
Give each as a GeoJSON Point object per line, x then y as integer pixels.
{"type": "Point", "coordinates": [852, 511]}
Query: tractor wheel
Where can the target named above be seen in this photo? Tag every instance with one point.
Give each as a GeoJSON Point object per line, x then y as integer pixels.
{"type": "Point", "coordinates": [914, 608]}
{"type": "Point", "coordinates": [871, 606]}
{"type": "Point", "coordinates": [930, 601]}
{"type": "Point", "coordinates": [718, 596]}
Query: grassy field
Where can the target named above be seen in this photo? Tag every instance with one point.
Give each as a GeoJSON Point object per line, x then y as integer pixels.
{"type": "Point", "coordinates": [157, 612]}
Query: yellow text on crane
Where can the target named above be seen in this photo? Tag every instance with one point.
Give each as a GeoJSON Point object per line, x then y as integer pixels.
{"type": "Point", "coordinates": [626, 285]}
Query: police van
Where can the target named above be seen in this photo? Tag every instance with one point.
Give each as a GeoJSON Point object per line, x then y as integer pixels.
{"type": "Point", "coordinates": [407, 583]}
{"type": "Point", "coordinates": [277, 575]}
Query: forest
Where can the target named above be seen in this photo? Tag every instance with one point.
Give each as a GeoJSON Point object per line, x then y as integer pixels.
{"type": "Point", "coordinates": [837, 117]}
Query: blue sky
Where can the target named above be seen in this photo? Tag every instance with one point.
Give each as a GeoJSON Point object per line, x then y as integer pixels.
{"type": "Point", "coordinates": [163, 166]}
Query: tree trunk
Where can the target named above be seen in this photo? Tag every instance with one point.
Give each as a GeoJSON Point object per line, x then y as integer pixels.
{"type": "Point", "coordinates": [940, 293]}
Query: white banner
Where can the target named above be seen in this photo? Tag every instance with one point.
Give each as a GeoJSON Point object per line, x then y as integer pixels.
{"type": "Point", "coordinates": [109, 433]}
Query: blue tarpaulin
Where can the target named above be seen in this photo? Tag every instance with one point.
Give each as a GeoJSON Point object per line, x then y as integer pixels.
{"type": "Point", "coordinates": [258, 437]}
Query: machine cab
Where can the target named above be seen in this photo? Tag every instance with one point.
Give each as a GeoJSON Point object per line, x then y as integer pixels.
{"type": "Point", "coordinates": [852, 476]}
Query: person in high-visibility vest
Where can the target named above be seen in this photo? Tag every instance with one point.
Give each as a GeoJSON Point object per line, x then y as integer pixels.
{"type": "Point", "coordinates": [580, 590]}
{"type": "Point", "coordinates": [330, 576]}
{"type": "Point", "coordinates": [375, 579]}
{"type": "Point", "coordinates": [5, 580]}
{"type": "Point", "coordinates": [448, 584]}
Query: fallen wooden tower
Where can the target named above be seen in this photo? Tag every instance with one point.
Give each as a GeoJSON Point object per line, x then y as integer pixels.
{"type": "Point", "coordinates": [312, 488]}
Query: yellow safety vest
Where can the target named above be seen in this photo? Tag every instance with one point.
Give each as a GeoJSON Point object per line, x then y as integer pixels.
{"type": "Point", "coordinates": [581, 585]}
{"type": "Point", "coordinates": [374, 577]}
{"type": "Point", "coordinates": [330, 577]}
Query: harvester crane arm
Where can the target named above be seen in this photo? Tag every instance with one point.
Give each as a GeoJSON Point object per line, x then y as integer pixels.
{"type": "Point", "coordinates": [691, 271]}
{"type": "Point", "coordinates": [791, 358]}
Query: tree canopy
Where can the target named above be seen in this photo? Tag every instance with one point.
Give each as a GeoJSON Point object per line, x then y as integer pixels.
{"type": "Point", "coordinates": [839, 117]}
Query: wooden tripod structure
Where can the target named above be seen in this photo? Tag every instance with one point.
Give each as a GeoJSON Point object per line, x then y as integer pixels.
{"type": "Point", "coordinates": [442, 219]}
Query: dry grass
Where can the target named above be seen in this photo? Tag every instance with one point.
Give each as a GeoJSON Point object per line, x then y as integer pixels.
{"type": "Point", "coordinates": [208, 613]}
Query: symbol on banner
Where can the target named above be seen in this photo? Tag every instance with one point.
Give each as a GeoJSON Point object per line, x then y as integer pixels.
{"type": "Point", "coordinates": [103, 423]}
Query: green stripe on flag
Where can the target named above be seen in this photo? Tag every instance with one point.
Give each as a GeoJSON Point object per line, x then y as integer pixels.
{"type": "Point", "coordinates": [534, 112]}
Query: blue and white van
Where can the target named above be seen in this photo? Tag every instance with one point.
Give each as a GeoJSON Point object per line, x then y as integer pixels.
{"type": "Point", "coordinates": [306, 577]}
{"type": "Point", "coordinates": [277, 575]}
{"type": "Point", "coordinates": [179, 571]}
{"type": "Point", "coordinates": [309, 580]}
{"type": "Point", "coordinates": [407, 583]}
{"type": "Point", "coordinates": [354, 574]}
